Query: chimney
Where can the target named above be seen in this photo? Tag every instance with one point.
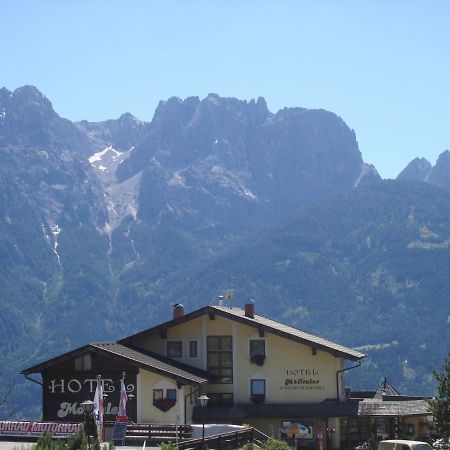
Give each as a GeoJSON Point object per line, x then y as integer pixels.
{"type": "Point", "coordinates": [178, 310]}
{"type": "Point", "coordinates": [249, 309]}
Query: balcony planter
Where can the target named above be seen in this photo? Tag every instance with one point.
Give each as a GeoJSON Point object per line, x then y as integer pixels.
{"type": "Point", "coordinates": [258, 398]}
{"type": "Point", "coordinates": [258, 359]}
{"type": "Point", "coordinates": [164, 404]}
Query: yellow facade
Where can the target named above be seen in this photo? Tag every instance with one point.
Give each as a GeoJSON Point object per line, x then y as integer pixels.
{"type": "Point", "coordinates": [293, 372]}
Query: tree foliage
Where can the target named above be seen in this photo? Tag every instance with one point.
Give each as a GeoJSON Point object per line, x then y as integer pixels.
{"type": "Point", "coordinates": [440, 405]}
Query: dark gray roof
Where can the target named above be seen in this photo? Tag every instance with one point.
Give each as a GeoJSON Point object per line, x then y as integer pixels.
{"type": "Point", "coordinates": [258, 322]}
{"type": "Point", "coordinates": [291, 332]}
{"type": "Point", "coordinates": [328, 408]}
{"type": "Point", "coordinates": [146, 360]}
{"type": "Point", "coordinates": [153, 361]}
{"type": "Point", "coordinates": [393, 408]}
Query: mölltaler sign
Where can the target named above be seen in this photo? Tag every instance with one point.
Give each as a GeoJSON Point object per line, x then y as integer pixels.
{"type": "Point", "coordinates": [302, 379]}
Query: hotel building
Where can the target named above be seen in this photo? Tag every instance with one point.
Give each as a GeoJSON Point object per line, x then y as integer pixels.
{"type": "Point", "coordinates": [255, 370]}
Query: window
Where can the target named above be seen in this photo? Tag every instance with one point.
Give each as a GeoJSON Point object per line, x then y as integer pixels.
{"type": "Point", "coordinates": [258, 387]}
{"type": "Point", "coordinates": [257, 347]}
{"type": "Point", "coordinates": [175, 349]}
{"type": "Point", "coordinates": [222, 399]}
{"type": "Point", "coordinates": [193, 349]}
{"type": "Point", "coordinates": [164, 402]}
{"type": "Point", "coordinates": [220, 358]}
{"type": "Point", "coordinates": [171, 394]}
{"type": "Point", "coordinates": [83, 362]}
{"type": "Point", "coordinates": [158, 394]}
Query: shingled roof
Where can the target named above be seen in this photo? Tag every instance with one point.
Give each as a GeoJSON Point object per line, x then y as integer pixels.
{"type": "Point", "coordinates": [394, 408]}
{"type": "Point", "coordinates": [145, 360]}
{"type": "Point", "coordinates": [258, 322]}
{"type": "Point", "coordinates": [328, 408]}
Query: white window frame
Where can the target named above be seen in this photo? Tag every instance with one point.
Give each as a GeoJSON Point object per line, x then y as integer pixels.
{"type": "Point", "coordinates": [257, 337]}
{"type": "Point", "coordinates": [257, 376]}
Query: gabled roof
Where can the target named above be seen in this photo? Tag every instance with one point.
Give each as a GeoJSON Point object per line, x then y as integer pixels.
{"type": "Point", "coordinates": [146, 360]}
{"type": "Point", "coordinates": [257, 322]}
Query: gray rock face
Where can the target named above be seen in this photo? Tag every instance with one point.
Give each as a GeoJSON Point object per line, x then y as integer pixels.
{"type": "Point", "coordinates": [419, 169]}
{"type": "Point", "coordinates": [367, 175]}
{"type": "Point", "coordinates": [440, 175]}
{"type": "Point", "coordinates": [121, 134]}
{"type": "Point", "coordinates": [222, 160]}
{"type": "Point", "coordinates": [27, 118]}
{"type": "Point", "coordinates": [40, 151]}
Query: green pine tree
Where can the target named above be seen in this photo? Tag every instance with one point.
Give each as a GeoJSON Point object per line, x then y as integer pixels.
{"type": "Point", "coordinates": [440, 405]}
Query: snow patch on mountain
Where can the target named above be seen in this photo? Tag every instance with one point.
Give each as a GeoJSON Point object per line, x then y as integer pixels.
{"type": "Point", "coordinates": [121, 198]}
{"type": "Point", "coordinates": [99, 155]}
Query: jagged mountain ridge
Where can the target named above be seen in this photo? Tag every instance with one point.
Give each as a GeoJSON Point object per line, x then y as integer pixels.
{"type": "Point", "coordinates": [238, 153]}
{"type": "Point", "coordinates": [419, 169]}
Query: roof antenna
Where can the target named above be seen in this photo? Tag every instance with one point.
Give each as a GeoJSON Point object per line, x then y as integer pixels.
{"type": "Point", "coordinates": [229, 293]}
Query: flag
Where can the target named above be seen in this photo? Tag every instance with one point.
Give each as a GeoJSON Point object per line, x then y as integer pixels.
{"type": "Point", "coordinates": [123, 400]}
{"type": "Point", "coordinates": [98, 407]}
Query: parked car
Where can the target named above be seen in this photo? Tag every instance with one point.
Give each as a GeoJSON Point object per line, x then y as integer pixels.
{"type": "Point", "coordinates": [399, 444]}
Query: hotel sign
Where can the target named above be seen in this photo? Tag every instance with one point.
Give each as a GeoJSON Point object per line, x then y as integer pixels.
{"type": "Point", "coordinates": [64, 394]}
{"type": "Point", "coordinates": [302, 379]}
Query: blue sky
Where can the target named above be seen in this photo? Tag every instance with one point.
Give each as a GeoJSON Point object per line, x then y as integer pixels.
{"type": "Point", "coordinates": [382, 65]}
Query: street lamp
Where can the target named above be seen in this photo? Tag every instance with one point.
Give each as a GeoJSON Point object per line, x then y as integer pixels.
{"type": "Point", "coordinates": [203, 402]}
{"type": "Point", "coordinates": [88, 408]}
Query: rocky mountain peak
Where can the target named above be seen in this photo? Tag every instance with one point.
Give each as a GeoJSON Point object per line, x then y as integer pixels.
{"type": "Point", "coordinates": [5, 94]}
{"type": "Point", "coordinates": [440, 175]}
{"type": "Point", "coordinates": [28, 119]}
{"type": "Point", "coordinates": [418, 169]}
{"type": "Point", "coordinates": [368, 174]}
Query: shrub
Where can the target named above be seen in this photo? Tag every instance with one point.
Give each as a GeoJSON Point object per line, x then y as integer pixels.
{"type": "Point", "coordinates": [168, 446]}
{"type": "Point", "coordinates": [276, 444]}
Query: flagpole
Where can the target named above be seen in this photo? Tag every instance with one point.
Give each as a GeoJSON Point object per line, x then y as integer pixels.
{"type": "Point", "coordinates": [102, 428]}
{"type": "Point", "coordinates": [99, 398]}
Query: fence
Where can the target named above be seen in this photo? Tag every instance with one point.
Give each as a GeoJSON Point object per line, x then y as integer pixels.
{"type": "Point", "coordinates": [156, 433]}
{"type": "Point", "coordinates": [225, 441]}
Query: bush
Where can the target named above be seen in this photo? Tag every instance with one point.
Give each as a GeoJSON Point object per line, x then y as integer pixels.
{"type": "Point", "coordinates": [168, 446]}
{"type": "Point", "coordinates": [276, 444]}
{"type": "Point", "coordinates": [44, 442]}
{"type": "Point", "coordinates": [77, 441]}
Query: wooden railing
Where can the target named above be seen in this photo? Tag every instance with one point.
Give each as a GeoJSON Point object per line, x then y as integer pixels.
{"type": "Point", "coordinates": [225, 441]}
{"type": "Point", "coordinates": [153, 433]}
